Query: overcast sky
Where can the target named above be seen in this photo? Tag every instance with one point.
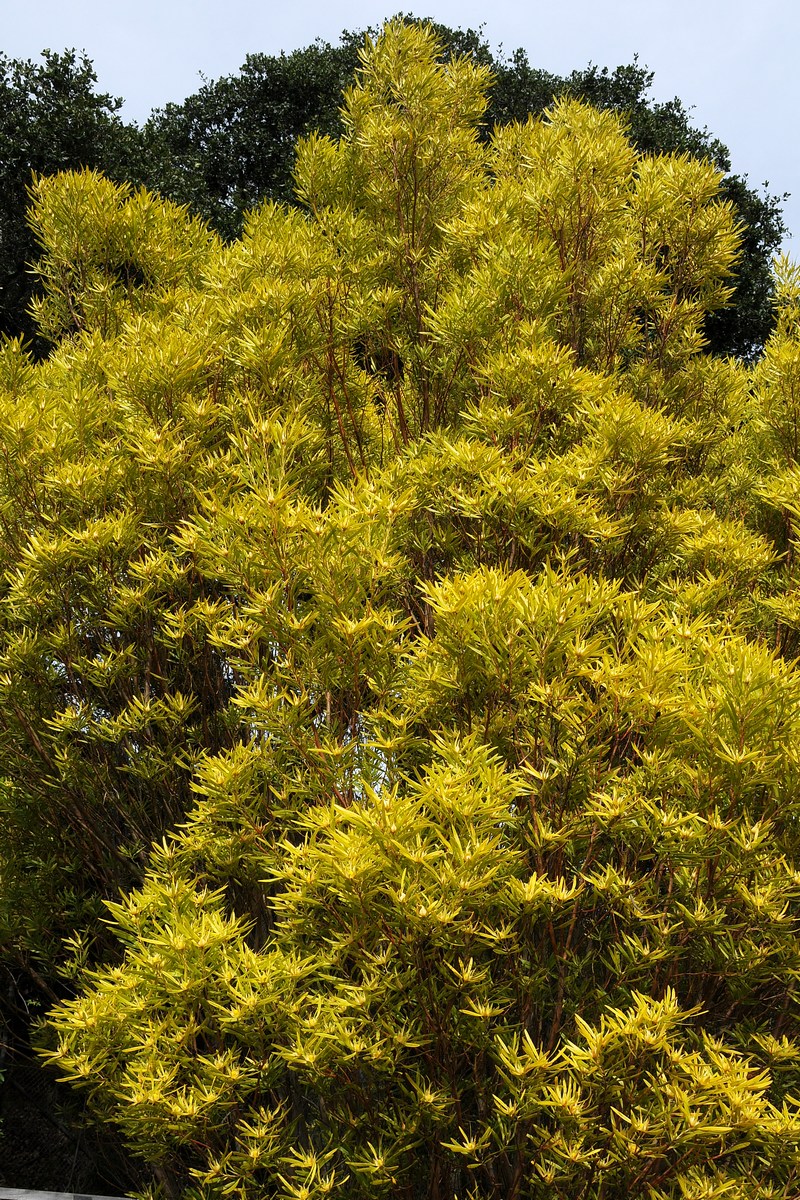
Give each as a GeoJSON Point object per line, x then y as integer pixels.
{"type": "Point", "coordinates": [736, 61]}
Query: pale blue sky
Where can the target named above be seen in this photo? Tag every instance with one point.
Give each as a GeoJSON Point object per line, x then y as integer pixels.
{"type": "Point", "coordinates": [736, 61]}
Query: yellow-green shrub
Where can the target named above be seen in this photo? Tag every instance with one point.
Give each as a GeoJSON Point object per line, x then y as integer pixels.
{"type": "Point", "coordinates": [408, 568]}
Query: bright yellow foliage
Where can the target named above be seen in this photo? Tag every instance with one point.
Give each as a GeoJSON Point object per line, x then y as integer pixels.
{"type": "Point", "coordinates": [408, 576]}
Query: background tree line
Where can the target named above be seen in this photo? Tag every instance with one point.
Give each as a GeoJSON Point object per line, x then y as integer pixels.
{"type": "Point", "coordinates": [231, 145]}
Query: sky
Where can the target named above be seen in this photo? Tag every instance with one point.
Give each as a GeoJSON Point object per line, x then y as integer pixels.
{"type": "Point", "coordinates": [735, 63]}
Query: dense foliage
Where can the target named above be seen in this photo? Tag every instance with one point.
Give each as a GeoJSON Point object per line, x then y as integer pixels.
{"type": "Point", "coordinates": [231, 145]}
{"type": "Point", "coordinates": [400, 608]}
{"type": "Point", "coordinates": [51, 119]}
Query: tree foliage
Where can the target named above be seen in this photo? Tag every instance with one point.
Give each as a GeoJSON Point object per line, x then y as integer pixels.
{"type": "Point", "coordinates": [232, 145]}
{"type": "Point", "coordinates": [51, 119]}
{"type": "Point", "coordinates": [400, 610]}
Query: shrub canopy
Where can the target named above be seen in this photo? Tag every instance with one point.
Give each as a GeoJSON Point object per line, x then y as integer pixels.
{"type": "Point", "coordinates": [397, 633]}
